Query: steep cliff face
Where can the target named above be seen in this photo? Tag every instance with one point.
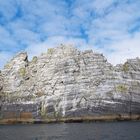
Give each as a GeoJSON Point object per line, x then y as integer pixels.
{"type": "Point", "coordinates": [65, 82]}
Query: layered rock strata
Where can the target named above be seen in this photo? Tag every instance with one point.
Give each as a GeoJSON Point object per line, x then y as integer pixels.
{"type": "Point", "coordinates": [67, 83]}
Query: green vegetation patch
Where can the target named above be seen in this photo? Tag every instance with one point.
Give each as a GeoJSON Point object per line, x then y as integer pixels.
{"type": "Point", "coordinates": [126, 67]}
{"type": "Point", "coordinates": [7, 66]}
{"type": "Point", "coordinates": [22, 72]}
{"type": "Point", "coordinates": [121, 88]}
{"type": "Point", "coordinates": [34, 60]}
{"type": "Point", "coordinates": [57, 114]}
{"type": "Point", "coordinates": [50, 51]}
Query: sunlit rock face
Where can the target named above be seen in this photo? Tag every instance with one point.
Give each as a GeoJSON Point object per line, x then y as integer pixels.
{"type": "Point", "coordinates": [65, 82]}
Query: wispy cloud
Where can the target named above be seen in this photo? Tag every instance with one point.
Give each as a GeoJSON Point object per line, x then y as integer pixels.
{"type": "Point", "coordinates": [111, 26]}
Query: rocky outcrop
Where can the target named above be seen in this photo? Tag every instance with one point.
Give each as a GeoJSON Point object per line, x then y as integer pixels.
{"type": "Point", "coordinates": [67, 83]}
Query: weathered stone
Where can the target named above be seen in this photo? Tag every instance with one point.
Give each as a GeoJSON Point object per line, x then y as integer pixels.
{"type": "Point", "coordinates": [65, 82]}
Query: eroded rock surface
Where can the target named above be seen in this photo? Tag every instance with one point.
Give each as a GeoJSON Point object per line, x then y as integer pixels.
{"type": "Point", "coordinates": [65, 82]}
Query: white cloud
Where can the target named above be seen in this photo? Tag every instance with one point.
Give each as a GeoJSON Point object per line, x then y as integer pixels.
{"type": "Point", "coordinates": [6, 40]}
{"type": "Point", "coordinates": [100, 5]}
{"type": "Point", "coordinates": [4, 58]}
{"type": "Point", "coordinates": [126, 49]}
{"type": "Point", "coordinates": [26, 36]}
{"type": "Point", "coordinates": [37, 49]}
{"type": "Point", "coordinates": [104, 26]}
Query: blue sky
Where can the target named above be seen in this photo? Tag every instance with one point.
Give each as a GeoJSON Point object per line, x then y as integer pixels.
{"type": "Point", "coordinates": [111, 27]}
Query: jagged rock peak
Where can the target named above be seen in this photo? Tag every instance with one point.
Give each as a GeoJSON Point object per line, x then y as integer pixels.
{"type": "Point", "coordinates": [61, 51]}
{"type": "Point", "coordinates": [22, 56]}
{"type": "Point", "coordinates": [18, 60]}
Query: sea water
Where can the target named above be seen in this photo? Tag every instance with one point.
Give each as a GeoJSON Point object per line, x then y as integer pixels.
{"type": "Point", "coordinates": [72, 131]}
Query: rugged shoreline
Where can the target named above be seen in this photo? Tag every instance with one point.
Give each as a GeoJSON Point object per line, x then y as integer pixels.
{"type": "Point", "coordinates": [105, 118]}
{"type": "Point", "coordinates": [64, 84]}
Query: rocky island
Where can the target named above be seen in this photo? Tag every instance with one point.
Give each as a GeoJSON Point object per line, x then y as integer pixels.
{"type": "Point", "coordinates": [65, 84]}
